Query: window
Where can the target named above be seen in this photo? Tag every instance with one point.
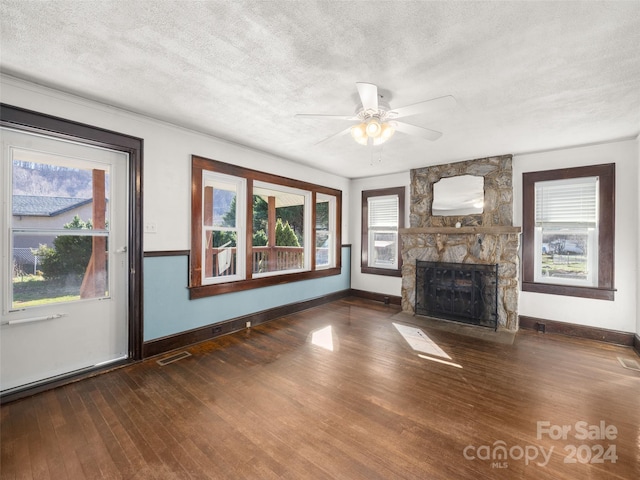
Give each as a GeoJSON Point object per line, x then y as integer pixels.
{"type": "Point", "coordinates": [325, 230]}
{"type": "Point", "coordinates": [222, 225]}
{"type": "Point", "coordinates": [382, 217]}
{"type": "Point", "coordinates": [281, 227]}
{"type": "Point", "coordinates": [251, 229]}
{"type": "Point", "coordinates": [568, 231]}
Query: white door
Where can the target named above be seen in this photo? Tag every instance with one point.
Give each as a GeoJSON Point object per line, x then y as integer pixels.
{"type": "Point", "coordinates": [64, 261]}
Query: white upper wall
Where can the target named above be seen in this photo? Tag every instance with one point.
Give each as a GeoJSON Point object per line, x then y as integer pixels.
{"type": "Point", "coordinates": [167, 158]}
{"type": "Point", "coordinates": [619, 314]}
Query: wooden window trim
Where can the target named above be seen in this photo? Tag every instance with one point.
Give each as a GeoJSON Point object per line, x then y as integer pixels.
{"type": "Point", "coordinates": [196, 288]}
{"type": "Point", "coordinates": [364, 263]}
{"type": "Point", "coordinates": [606, 232]}
{"type": "Point", "coordinates": [313, 230]}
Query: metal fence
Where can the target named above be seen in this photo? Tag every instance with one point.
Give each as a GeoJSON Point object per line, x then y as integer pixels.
{"type": "Point", "coordinates": [25, 262]}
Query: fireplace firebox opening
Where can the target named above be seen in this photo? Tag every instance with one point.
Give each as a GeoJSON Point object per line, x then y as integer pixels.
{"type": "Point", "coordinates": [461, 292]}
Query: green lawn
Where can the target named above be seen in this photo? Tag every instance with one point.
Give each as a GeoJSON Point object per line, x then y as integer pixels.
{"type": "Point", "coordinates": [32, 290]}
{"type": "Point", "coordinates": [571, 266]}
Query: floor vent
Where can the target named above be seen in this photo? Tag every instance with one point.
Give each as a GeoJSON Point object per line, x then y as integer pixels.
{"type": "Point", "coordinates": [630, 364]}
{"type": "Point", "coordinates": [173, 358]}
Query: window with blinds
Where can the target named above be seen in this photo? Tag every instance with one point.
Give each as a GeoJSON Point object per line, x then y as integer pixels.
{"type": "Point", "coordinates": [383, 231]}
{"type": "Point", "coordinates": [566, 231]}
{"type": "Point", "coordinates": [382, 218]}
{"type": "Point", "coordinates": [572, 201]}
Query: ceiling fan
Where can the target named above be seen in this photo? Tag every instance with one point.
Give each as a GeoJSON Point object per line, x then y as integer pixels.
{"type": "Point", "coordinates": [377, 122]}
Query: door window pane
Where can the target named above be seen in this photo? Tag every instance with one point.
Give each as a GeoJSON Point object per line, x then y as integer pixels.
{"type": "Point", "coordinates": [68, 270]}
{"type": "Point", "coordinates": [59, 230]}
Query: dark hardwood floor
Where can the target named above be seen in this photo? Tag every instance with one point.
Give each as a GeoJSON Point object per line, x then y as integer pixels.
{"type": "Point", "coordinates": [268, 403]}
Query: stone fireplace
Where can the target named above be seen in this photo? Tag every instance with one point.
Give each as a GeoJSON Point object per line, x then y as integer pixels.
{"type": "Point", "coordinates": [487, 238]}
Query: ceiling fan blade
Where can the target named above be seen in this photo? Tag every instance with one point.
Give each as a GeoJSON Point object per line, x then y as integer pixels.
{"type": "Point", "coordinates": [417, 131]}
{"type": "Point", "coordinates": [326, 117]}
{"type": "Point", "coordinates": [435, 104]}
{"type": "Point", "coordinates": [368, 95]}
{"type": "Point", "coordinates": [343, 132]}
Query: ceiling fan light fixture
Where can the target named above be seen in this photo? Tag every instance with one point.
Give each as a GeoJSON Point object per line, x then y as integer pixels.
{"type": "Point", "coordinates": [374, 129]}
{"type": "Point", "coordinates": [359, 133]}
{"type": "Point", "coordinates": [387, 131]}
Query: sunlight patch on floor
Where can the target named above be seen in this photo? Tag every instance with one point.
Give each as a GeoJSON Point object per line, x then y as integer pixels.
{"type": "Point", "coordinates": [323, 338]}
{"type": "Point", "coordinates": [434, 359]}
{"type": "Point", "coordinates": [420, 342]}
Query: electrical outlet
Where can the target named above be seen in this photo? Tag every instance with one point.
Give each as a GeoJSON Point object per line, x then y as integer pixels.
{"type": "Point", "coordinates": [248, 324]}
{"type": "Point", "coordinates": [150, 227]}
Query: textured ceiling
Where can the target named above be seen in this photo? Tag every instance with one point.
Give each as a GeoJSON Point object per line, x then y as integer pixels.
{"type": "Point", "coordinates": [527, 76]}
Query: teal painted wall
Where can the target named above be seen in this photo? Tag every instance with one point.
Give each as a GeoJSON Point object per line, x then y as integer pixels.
{"type": "Point", "coordinates": [168, 310]}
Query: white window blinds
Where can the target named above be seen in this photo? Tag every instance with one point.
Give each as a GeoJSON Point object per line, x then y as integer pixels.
{"type": "Point", "coordinates": [573, 201]}
{"type": "Point", "coordinates": [383, 212]}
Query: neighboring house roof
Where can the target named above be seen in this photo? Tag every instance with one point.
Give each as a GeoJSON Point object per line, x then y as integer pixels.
{"type": "Point", "coordinates": [37, 206]}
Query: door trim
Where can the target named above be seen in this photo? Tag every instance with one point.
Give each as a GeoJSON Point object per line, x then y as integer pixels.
{"type": "Point", "coordinates": [30, 121]}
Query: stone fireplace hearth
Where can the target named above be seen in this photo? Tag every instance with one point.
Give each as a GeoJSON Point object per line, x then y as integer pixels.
{"type": "Point", "coordinates": [488, 238]}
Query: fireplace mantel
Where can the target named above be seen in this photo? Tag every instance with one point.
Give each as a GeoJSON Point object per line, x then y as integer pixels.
{"type": "Point", "coordinates": [493, 230]}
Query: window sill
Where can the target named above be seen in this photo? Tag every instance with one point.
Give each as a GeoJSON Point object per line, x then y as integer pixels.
{"type": "Point", "coordinates": [389, 272]}
{"type": "Point", "coordinates": [596, 293]}
{"type": "Point", "coordinates": [201, 291]}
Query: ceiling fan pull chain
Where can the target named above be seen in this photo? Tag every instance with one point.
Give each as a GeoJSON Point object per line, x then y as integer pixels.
{"type": "Point", "coordinates": [372, 149]}
{"type": "Point", "coordinates": [380, 154]}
